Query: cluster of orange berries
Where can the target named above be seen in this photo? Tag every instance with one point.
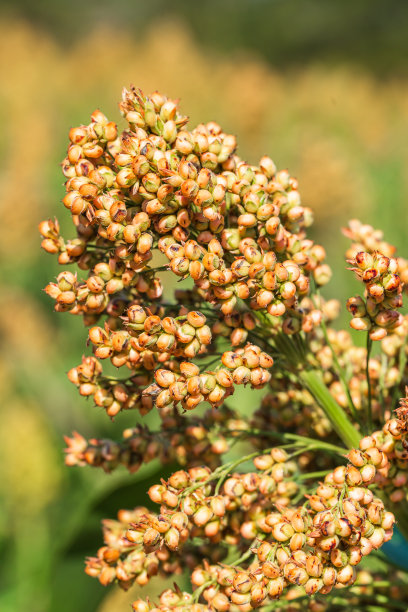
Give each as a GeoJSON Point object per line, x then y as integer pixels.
{"type": "Point", "coordinates": [119, 560]}
{"type": "Point", "coordinates": [195, 441]}
{"type": "Point", "coordinates": [192, 492]}
{"type": "Point", "coordinates": [253, 274]}
{"type": "Point", "coordinates": [392, 441]}
{"type": "Point", "coordinates": [102, 292]}
{"type": "Point", "coordinates": [370, 589]}
{"type": "Point", "coordinates": [317, 549]}
{"type": "Point", "coordinates": [365, 238]}
{"type": "Point", "coordinates": [182, 384]}
{"type": "Point", "coordinates": [150, 339]}
{"type": "Point", "coordinates": [108, 393]}
{"type": "Point", "coordinates": [316, 546]}
{"type": "Point", "coordinates": [236, 230]}
{"type": "Point", "coordinates": [248, 365]}
{"type": "Point", "coordinates": [170, 599]}
{"type": "Point", "coordinates": [185, 336]}
{"type": "Point", "coordinates": [189, 509]}
{"type": "Point", "coordinates": [376, 314]}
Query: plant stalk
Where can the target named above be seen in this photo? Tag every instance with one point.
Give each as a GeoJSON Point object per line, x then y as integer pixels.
{"type": "Point", "coordinates": [343, 427]}
{"type": "Point", "coordinates": [369, 407]}
{"type": "Point", "coordinates": [340, 373]}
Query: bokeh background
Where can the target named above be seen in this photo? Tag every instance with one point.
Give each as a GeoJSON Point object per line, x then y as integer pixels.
{"type": "Point", "coordinates": [321, 87]}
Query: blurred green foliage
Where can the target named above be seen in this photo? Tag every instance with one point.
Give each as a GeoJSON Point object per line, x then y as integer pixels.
{"type": "Point", "coordinates": [320, 86]}
{"type": "Point", "coordinates": [372, 33]}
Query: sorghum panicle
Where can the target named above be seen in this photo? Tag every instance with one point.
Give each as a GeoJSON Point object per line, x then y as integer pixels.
{"type": "Point", "coordinates": [160, 199]}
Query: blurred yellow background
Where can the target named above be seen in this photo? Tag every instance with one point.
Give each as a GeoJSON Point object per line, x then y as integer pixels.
{"type": "Point", "coordinates": [339, 122]}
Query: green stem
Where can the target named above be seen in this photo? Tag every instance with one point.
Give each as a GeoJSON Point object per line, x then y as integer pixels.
{"type": "Point", "coordinates": [197, 593]}
{"type": "Point", "coordinates": [277, 604]}
{"type": "Point", "coordinates": [290, 437]}
{"type": "Point", "coordinates": [342, 426]}
{"type": "Point", "coordinates": [286, 346]}
{"type": "Point", "coordinates": [158, 269]}
{"type": "Point", "coordinates": [295, 353]}
{"type": "Point", "coordinates": [340, 373]}
{"type": "Point", "coordinates": [313, 475]}
{"type": "Point", "coordinates": [247, 553]}
{"type": "Point", "coordinates": [258, 339]}
{"type": "Point", "coordinates": [98, 247]}
{"type": "Point", "coordinates": [381, 383]}
{"type": "Point", "coordinates": [369, 407]}
{"type": "Point", "coordinates": [221, 473]}
{"type": "Point", "coordinates": [232, 466]}
{"type": "Point", "coordinates": [205, 366]}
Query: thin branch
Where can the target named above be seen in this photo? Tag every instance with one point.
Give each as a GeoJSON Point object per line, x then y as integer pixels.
{"type": "Point", "coordinates": [369, 403]}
